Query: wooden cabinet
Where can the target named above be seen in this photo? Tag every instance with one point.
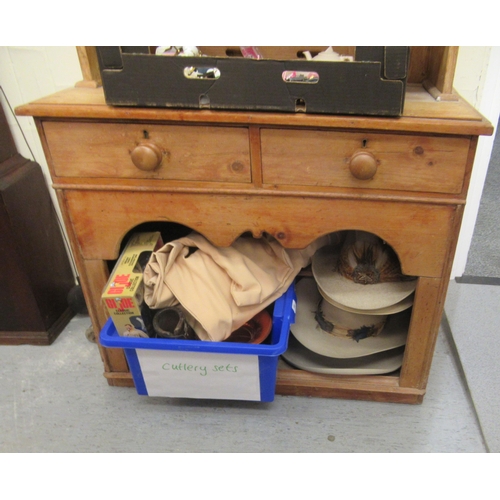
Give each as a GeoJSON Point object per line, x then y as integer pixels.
{"type": "Point", "coordinates": [294, 176]}
{"type": "Point", "coordinates": [35, 272]}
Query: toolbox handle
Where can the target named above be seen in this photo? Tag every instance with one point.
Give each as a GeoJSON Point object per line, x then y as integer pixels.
{"type": "Point", "coordinates": [201, 73]}
{"type": "Point", "coordinates": [295, 76]}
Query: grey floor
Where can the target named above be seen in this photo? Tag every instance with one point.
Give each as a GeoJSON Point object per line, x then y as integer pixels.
{"type": "Point", "coordinates": [55, 399]}
{"type": "Point", "coordinates": [473, 308]}
{"type": "Point", "coordinates": [473, 315]}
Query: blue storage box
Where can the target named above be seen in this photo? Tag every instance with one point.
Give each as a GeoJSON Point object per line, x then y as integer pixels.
{"type": "Point", "coordinates": [208, 370]}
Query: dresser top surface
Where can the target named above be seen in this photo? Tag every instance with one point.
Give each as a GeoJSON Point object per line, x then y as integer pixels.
{"type": "Point", "coordinates": [422, 113]}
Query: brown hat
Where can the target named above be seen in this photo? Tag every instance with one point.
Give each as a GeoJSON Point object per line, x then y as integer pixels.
{"type": "Point", "coordinates": [367, 260]}
{"type": "Point", "coordinates": [375, 364]}
{"type": "Point", "coordinates": [402, 305]}
{"type": "Point", "coordinates": [364, 275]}
{"type": "Point", "coordinates": [340, 334]}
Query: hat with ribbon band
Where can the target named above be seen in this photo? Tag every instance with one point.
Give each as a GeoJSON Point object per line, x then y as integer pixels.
{"type": "Point", "coordinates": [330, 331]}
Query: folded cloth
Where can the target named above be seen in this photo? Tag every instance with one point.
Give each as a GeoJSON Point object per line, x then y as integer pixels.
{"type": "Point", "coordinates": [221, 288]}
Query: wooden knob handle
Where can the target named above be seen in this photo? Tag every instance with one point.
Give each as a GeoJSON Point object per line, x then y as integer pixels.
{"type": "Point", "coordinates": [147, 156]}
{"type": "Point", "coordinates": [363, 165]}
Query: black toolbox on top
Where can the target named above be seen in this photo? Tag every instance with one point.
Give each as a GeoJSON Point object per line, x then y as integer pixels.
{"type": "Point", "coordinates": [373, 84]}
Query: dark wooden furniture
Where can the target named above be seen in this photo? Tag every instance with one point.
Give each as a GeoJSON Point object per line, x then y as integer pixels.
{"type": "Point", "coordinates": [35, 272]}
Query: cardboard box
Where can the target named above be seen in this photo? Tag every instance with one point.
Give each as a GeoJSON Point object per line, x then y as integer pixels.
{"type": "Point", "coordinates": [123, 295]}
{"type": "Point", "coordinates": [208, 370]}
{"type": "Point", "coordinates": [374, 84]}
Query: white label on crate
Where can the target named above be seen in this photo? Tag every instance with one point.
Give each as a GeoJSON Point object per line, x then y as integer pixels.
{"type": "Point", "coordinates": [204, 376]}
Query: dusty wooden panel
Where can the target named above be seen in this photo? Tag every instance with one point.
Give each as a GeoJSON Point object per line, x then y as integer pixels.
{"type": "Point", "coordinates": [93, 275]}
{"type": "Point", "coordinates": [401, 162]}
{"type": "Point", "coordinates": [417, 69]}
{"type": "Point", "coordinates": [119, 379]}
{"type": "Point", "coordinates": [442, 63]}
{"type": "Point", "coordinates": [421, 114]}
{"type": "Point", "coordinates": [292, 382]}
{"type": "Point", "coordinates": [426, 314]}
{"type": "Point", "coordinates": [101, 219]}
{"type": "Point", "coordinates": [426, 317]}
{"type": "Point", "coordinates": [186, 152]}
{"type": "Point", "coordinates": [434, 68]}
{"type": "Point", "coordinates": [87, 56]}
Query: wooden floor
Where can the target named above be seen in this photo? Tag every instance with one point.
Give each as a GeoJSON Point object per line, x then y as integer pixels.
{"type": "Point", "coordinates": [55, 399]}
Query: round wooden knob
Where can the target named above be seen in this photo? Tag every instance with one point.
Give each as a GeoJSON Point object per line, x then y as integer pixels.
{"type": "Point", "coordinates": [363, 165]}
{"type": "Point", "coordinates": [147, 156]}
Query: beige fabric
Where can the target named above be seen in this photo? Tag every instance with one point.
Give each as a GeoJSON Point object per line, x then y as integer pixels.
{"type": "Point", "coordinates": [222, 288]}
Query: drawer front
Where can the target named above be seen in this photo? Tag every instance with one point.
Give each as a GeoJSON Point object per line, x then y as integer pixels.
{"type": "Point", "coordinates": [174, 152]}
{"type": "Point", "coordinates": [364, 160]}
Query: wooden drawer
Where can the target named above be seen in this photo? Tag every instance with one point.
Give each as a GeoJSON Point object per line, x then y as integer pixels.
{"type": "Point", "coordinates": [364, 160]}
{"type": "Point", "coordinates": [185, 152]}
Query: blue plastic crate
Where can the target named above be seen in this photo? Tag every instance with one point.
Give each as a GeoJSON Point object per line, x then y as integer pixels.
{"type": "Point", "coordinates": [208, 370]}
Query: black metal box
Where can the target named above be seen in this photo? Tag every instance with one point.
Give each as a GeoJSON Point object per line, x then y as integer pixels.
{"type": "Point", "coordinates": [372, 84]}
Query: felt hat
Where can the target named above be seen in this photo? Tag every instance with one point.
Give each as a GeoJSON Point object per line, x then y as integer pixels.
{"type": "Point", "coordinates": [379, 363]}
{"type": "Point", "coordinates": [402, 305]}
{"type": "Point", "coordinates": [355, 336]}
{"type": "Point", "coordinates": [364, 275]}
